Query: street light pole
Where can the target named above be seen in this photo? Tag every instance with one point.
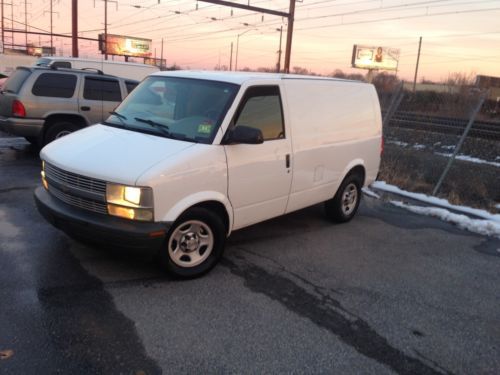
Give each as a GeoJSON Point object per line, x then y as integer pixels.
{"type": "Point", "coordinates": [237, 47]}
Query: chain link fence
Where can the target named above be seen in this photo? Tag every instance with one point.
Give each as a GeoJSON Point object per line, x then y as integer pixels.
{"type": "Point", "coordinates": [444, 142]}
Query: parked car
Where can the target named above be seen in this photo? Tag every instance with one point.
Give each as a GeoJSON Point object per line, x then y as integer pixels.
{"type": "Point", "coordinates": [123, 69]}
{"type": "Point", "coordinates": [188, 157]}
{"type": "Point", "coordinates": [43, 104]}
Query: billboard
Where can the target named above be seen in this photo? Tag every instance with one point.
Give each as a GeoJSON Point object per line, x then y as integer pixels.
{"type": "Point", "coordinates": [40, 51]}
{"type": "Point", "coordinates": [125, 45]}
{"type": "Point", "coordinates": [376, 58]}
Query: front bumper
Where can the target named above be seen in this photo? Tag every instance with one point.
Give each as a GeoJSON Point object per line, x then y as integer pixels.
{"type": "Point", "coordinates": [145, 237]}
{"type": "Point", "coordinates": [21, 126]}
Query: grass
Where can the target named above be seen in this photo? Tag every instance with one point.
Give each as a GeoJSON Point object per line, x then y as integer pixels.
{"type": "Point", "coordinates": [469, 184]}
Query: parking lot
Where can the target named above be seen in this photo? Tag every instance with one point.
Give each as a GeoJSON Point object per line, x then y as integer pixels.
{"type": "Point", "coordinates": [389, 292]}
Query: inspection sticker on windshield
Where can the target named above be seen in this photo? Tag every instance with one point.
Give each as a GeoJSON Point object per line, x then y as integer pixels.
{"type": "Point", "coordinates": [205, 128]}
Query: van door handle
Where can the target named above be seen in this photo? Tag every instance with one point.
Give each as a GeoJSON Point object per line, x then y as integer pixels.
{"type": "Point", "coordinates": [287, 160]}
{"type": "Point", "coordinates": [85, 108]}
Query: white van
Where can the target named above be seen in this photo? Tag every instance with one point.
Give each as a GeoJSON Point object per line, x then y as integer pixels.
{"type": "Point", "coordinates": [117, 68]}
{"type": "Point", "coordinates": [188, 157]}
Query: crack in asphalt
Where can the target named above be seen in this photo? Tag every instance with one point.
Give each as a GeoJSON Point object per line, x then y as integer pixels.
{"type": "Point", "coordinates": [326, 312]}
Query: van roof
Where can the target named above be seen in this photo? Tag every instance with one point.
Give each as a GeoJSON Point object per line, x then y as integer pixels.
{"type": "Point", "coordinates": [98, 61]}
{"type": "Point", "coordinates": [241, 77]}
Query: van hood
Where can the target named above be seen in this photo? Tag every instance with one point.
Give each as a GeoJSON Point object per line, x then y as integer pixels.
{"type": "Point", "coordinates": [110, 154]}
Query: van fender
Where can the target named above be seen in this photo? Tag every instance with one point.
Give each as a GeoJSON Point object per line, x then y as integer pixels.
{"type": "Point", "coordinates": [197, 198]}
{"type": "Point", "coordinates": [352, 164]}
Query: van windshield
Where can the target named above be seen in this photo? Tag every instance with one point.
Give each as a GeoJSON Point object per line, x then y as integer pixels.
{"type": "Point", "coordinates": [180, 108]}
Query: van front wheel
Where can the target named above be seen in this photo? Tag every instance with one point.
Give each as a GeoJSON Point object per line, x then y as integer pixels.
{"type": "Point", "coordinates": [343, 206]}
{"type": "Point", "coordinates": [194, 244]}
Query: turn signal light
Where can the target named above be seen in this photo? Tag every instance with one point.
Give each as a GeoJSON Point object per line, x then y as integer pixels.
{"type": "Point", "coordinates": [18, 109]}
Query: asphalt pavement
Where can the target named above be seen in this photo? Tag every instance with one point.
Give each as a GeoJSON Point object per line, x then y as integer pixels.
{"type": "Point", "coordinates": [389, 292]}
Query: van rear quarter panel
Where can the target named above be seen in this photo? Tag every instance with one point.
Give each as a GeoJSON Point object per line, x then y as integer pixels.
{"type": "Point", "coordinates": [335, 126]}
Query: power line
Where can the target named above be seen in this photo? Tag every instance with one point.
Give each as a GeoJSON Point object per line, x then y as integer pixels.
{"type": "Point", "coordinates": [401, 18]}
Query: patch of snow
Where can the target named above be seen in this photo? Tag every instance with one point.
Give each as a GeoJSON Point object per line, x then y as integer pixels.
{"type": "Point", "coordinates": [370, 193]}
{"type": "Point", "coordinates": [484, 227]}
{"type": "Point", "coordinates": [470, 159]}
{"type": "Point", "coordinates": [448, 147]}
{"type": "Point", "coordinates": [497, 206]}
{"type": "Point", "coordinates": [397, 143]}
{"type": "Point", "coordinates": [497, 158]}
{"type": "Point", "coordinates": [417, 146]}
{"type": "Point", "coordinates": [436, 201]}
{"type": "Point", "coordinates": [437, 143]}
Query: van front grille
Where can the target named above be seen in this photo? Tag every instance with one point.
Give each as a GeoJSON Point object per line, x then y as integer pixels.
{"type": "Point", "coordinates": [75, 180]}
{"type": "Point", "coordinates": [79, 202]}
{"type": "Point", "coordinates": [76, 190]}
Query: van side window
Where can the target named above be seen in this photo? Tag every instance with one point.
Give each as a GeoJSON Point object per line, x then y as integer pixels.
{"type": "Point", "coordinates": [261, 109]}
{"type": "Point", "coordinates": [102, 89]}
{"type": "Point", "coordinates": [54, 85]}
{"type": "Point", "coordinates": [130, 86]}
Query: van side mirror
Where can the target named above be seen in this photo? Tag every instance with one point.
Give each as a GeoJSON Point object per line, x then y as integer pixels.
{"type": "Point", "coordinates": [244, 134]}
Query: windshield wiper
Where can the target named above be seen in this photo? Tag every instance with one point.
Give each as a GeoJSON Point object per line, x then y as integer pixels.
{"type": "Point", "coordinates": [120, 117]}
{"type": "Point", "coordinates": [163, 128]}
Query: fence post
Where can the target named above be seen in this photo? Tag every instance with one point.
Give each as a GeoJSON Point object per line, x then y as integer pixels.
{"type": "Point", "coordinates": [461, 141]}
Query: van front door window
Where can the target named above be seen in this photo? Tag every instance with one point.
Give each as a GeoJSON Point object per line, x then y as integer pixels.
{"type": "Point", "coordinates": [261, 109]}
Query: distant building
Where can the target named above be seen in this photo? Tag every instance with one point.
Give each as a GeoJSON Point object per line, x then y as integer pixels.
{"type": "Point", "coordinates": [490, 83]}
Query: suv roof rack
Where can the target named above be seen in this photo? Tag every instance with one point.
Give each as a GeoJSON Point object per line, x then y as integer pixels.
{"type": "Point", "coordinates": [97, 70]}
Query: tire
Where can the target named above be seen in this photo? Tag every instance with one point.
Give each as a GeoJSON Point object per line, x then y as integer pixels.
{"type": "Point", "coordinates": [32, 140]}
{"type": "Point", "coordinates": [59, 129]}
{"type": "Point", "coordinates": [194, 244]}
{"type": "Point", "coordinates": [343, 206]}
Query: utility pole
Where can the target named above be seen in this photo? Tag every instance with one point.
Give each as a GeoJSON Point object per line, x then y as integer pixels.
{"type": "Point", "coordinates": [3, 38]}
{"type": "Point", "coordinates": [26, 24]}
{"type": "Point", "coordinates": [51, 27]}
{"type": "Point", "coordinates": [12, 22]}
{"type": "Point", "coordinates": [161, 59]}
{"type": "Point", "coordinates": [290, 16]}
{"type": "Point", "coordinates": [278, 66]}
{"type": "Point", "coordinates": [231, 59]}
{"type": "Point", "coordinates": [74, 28]}
{"type": "Point", "coordinates": [105, 29]}
{"type": "Point", "coordinates": [289, 35]}
{"type": "Point", "coordinates": [416, 68]}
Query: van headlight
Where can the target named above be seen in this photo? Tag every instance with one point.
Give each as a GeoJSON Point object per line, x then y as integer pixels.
{"type": "Point", "coordinates": [44, 179]}
{"type": "Point", "coordinates": [130, 202]}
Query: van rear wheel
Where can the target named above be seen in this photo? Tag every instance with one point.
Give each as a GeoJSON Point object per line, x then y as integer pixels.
{"type": "Point", "coordinates": [343, 206]}
{"type": "Point", "coordinates": [58, 130]}
{"type": "Point", "coordinates": [194, 244]}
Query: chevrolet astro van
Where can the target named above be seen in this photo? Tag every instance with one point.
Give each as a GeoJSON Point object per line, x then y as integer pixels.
{"type": "Point", "coordinates": [189, 157]}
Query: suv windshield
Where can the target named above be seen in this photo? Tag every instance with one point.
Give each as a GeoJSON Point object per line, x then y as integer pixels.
{"type": "Point", "coordinates": [180, 108]}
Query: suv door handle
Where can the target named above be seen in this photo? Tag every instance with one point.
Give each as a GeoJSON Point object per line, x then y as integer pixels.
{"type": "Point", "coordinates": [287, 160]}
{"type": "Point", "coordinates": [85, 108]}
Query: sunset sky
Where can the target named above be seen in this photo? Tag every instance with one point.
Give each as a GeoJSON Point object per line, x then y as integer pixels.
{"type": "Point", "coordinates": [458, 35]}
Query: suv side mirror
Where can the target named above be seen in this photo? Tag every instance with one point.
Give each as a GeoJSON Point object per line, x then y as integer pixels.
{"type": "Point", "coordinates": [244, 134]}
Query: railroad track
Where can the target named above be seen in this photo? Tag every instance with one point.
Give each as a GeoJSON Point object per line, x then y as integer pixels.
{"type": "Point", "coordinates": [446, 125]}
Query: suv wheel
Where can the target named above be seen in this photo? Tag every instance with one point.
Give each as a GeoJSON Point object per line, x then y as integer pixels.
{"type": "Point", "coordinates": [59, 129]}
